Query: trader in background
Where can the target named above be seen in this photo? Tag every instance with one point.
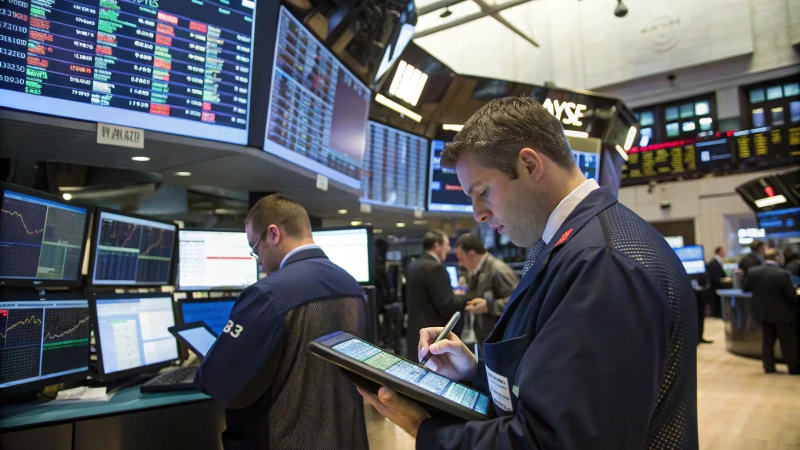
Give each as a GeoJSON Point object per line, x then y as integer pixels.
{"type": "Point", "coordinates": [716, 273]}
{"type": "Point", "coordinates": [276, 395]}
{"type": "Point", "coordinates": [429, 295]}
{"type": "Point", "coordinates": [491, 283]}
{"type": "Point", "coordinates": [754, 258]}
{"type": "Point", "coordinates": [775, 306]}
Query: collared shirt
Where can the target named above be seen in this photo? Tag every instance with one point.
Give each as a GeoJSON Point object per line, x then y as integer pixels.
{"type": "Point", "coordinates": [435, 257]}
{"type": "Point", "coordinates": [719, 260]}
{"type": "Point", "coordinates": [298, 249]}
{"type": "Point", "coordinates": [771, 263]}
{"type": "Point", "coordinates": [565, 208]}
{"type": "Point", "coordinates": [480, 265]}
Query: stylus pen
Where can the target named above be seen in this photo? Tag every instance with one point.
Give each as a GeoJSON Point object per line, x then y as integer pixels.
{"type": "Point", "coordinates": [447, 329]}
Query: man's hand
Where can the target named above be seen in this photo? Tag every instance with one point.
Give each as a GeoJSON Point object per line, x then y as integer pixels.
{"type": "Point", "coordinates": [477, 306]}
{"type": "Point", "coordinates": [451, 359]}
{"type": "Point", "coordinates": [406, 414]}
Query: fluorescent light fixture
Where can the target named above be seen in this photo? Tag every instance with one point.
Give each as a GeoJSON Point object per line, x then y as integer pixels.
{"type": "Point", "coordinates": [183, 174]}
{"type": "Point", "coordinates": [418, 91]}
{"type": "Point", "coordinates": [408, 83]}
{"type": "Point", "coordinates": [394, 106]}
{"type": "Point", "coordinates": [342, 211]}
{"type": "Point", "coordinates": [770, 201]}
{"type": "Point", "coordinates": [452, 127]}
{"type": "Point", "coordinates": [573, 133]}
{"type": "Point", "coordinates": [629, 138]}
{"type": "Point", "coordinates": [400, 224]}
{"type": "Point", "coordinates": [67, 196]}
{"type": "Point", "coordinates": [377, 231]}
{"type": "Point", "coordinates": [140, 158]}
{"type": "Point", "coordinates": [622, 152]}
{"type": "Point", "coordinates": [420, 222]}
{"type": "Point", "coordinates": [355, 223]}
{"type": "Point", "coordinates": [401, 67]}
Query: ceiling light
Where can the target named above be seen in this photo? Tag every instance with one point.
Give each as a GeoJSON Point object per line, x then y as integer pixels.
{"type": "Point", "coordinates": [183, 174]}
{"type": "Point", "coordinates": [140, 158]}
{"type": "Point", "coordinates": [400, 224]}
{"type": "Point", "coordinates": [394, 106]}
{"type": "Point", "coordinates": [420, 222]}
{"type": "Point", "coordinates": [67, 196]}
{"type": "Point", "coordinates": [446, 13]}
{"type": "Point", "coordinates": [622, 152]}
{"type": "Point", "coordinates": [408, 83]}
{"type": "Point", "coordinates": [573, 133]}
{"type": "Point", "coordinates": [377, 231]}
{"type": "Point", "coordinates": [355, 223]}
{"type": "Point", "coordinates": [342, 211]}
{"type": "Point", "coordinates": [391, 237]}
{"type": "Point", "coordinates": [629, 138]}
{"type": "Point", "coordinates": [770, 201]}
{"type": "Point", "coordinates": [452, 127]}
{"type": "Point", "coordinates": [621, 10]}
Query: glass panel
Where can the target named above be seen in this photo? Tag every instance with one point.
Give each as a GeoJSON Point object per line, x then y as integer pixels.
{"type": "Point", "coordinates": [759, 120]}
{"type": "Point", "coordinates": [646, 118]}
{"type": "Point", "coordinates": [688, 127]}
{"type": "Point", "coordinates": [777, 117]}
{"type": "Point", "coordinates": [791, 89]}
{"type": "Point", "coordinates": [702, 108]}
{"type": "Point", "coordinates": [756, 95]}
{"type": "Point", "coordinates": [671, 113]}
{"type": "Point", "coordinates": [687, 110]}
{"type": "Point", "coordinates": [706, 123]}
{"type": "Point", "coordinates": [774, 92]}
{"type": "Point", "coordinates": [672, 130]}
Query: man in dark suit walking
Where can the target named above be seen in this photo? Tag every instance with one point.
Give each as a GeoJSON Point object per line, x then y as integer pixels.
{"type": "Point", "coordinates": [775, 301]}
{"type": "Point", "coordinates": [716, 273]}
{"type": "Point", "coordinates": [429, 295]}
{"type": "Point", "coordinates": [754, 258]}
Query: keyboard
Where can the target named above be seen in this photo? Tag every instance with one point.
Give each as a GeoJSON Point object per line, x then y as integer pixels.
{"type": "Point", "coordinates": [179, 379]}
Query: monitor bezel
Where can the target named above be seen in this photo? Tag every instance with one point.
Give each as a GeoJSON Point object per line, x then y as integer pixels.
{"type": "Point", "coordinates": [429, 193]}
{"type": "Point", "coordinates": [370, 250]}
{"type": "Point", "coordinates": [151, 368]}
{"type": "Point", "coordinates": [95, 243]}
{"type": "Point", "coordinates": [78, 282]}
{"type": "Point", "coordinates": [42, 383]}
{"type": "Point", "coordinates": [178, 312]}
{"type": "Point", "coordinates": [177, 278]}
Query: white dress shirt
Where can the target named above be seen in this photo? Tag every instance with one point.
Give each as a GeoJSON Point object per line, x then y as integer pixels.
{"type": "Point", "coordinates": [565, 208]}
{"type": "Point", "coordinates": [298, 249]}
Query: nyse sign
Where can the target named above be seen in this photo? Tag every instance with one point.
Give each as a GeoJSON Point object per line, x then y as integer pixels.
{"type": "Point", "coordinates": [568, 113]}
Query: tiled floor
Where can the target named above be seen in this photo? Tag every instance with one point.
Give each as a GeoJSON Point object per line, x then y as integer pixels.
{"type": "Point", "coordinates": [739, 407]}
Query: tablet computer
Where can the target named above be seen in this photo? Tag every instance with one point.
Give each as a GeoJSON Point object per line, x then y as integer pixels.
{"type": "Point", "coordinates": [198, 336]}
{"type": "Point", "coordinates": [370, 367]}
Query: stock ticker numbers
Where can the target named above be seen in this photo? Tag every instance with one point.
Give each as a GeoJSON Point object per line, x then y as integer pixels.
{"type": "Point", "coordinates": [66, 334]}
{"type": "Point", "coordinates": [20, 340]}
{"type": "Point", "coordinates": [188, 59]}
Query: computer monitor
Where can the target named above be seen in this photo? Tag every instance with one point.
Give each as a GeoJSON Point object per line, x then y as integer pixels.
{"type": "Point", "coordinates": [213, 311]}
{"type": "Point", "coordinates": [42, 239]}
{"type": "Point", "coordinates": [692, 258]}
{"type": "Point", "coordinates": [317, 115]}
{"type": "Point", "coordinates": [214, 260]}
{"type": "Point", "coordinates": [132, 333]}
{"type": "Point", "coordinates": [130, 250]}
{"type": "Point", "coordinates": [780, 223]}
{"type": "Point", "coordinates": [173, 66]}
{"type": "Point", "coordinates": [43, 341]}
{"type": "Point", "coordinates": [395, 168]}
{"type": "Point", "coordinates": [444, 189]}
{"type": "Point", "coordinates": [349, 248]}
{"type": "Point", "coordinates": [452, 272]}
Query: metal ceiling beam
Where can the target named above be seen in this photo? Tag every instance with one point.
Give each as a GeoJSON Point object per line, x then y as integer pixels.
{"type": "Point", "coordinates": [435, 6]}
{"type": "Point", "coordinates": [486, 10]}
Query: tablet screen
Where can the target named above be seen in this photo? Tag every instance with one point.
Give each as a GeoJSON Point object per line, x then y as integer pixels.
{"type": "Point", "coordinates": [199, 338]}
{"type": "Point", "coordinates": [414, 374]}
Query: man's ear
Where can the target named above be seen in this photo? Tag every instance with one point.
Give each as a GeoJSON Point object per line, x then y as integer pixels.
{"type": "Point", "coordinates": [531, 163]}
{"type": "Point", "coordinates": [274, 234]}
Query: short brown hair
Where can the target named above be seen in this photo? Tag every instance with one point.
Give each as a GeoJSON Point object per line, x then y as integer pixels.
{"type": "Point", "coordinates": [282, 211]}
{"type": "Point", "coordinates": [469, 242]}
{"type": "Point", "coordinates": [501, 128]}
{"type": "Point", "coordinates": [432, 237]}
{"type": "Point", "coordinates": [773, 254]}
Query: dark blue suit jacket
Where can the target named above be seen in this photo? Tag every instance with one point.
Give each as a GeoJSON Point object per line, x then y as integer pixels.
{"type": "Point", "coordinates": [598, 343]}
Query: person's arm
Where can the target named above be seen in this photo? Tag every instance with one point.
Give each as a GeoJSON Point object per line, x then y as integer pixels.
{"type": "Point", "coordinates": [441, 293]}
{"type": "Point", "coordinates": [592, 376]}
{"type": "Point", "coordinates": [241, 365]}
{"type": "Point", "coordinates": [503, 284]}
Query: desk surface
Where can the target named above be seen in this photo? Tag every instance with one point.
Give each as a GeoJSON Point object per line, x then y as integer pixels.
{"type": "Point", "coordinates": [124, 401]}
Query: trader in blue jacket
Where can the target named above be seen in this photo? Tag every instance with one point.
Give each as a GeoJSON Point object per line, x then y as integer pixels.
{"type": "Point", "coordinates": [596, 347]}
{"type": "Point", "coordinates": [276, 394]}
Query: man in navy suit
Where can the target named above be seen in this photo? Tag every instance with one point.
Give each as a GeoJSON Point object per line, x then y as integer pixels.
{"type": "Point", "coordinates": [596, 347]}
{"type": "Point", "coordinates": [276, 394]}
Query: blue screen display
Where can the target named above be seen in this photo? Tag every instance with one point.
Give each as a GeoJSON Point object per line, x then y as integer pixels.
{"type": "Point", "coordinates": [214, 313]}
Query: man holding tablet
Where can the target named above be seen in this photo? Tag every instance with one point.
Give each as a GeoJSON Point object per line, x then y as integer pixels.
{"type": "Point", "coordinates": [596, 346]}
{"type": "Point", "coordinates": [277, 395]}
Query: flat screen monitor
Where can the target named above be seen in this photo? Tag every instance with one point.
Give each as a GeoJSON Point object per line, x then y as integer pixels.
{"type": "Point", "coordinates": [692, 258]}
{"type": "Point", "coordinates": [444, 189]}
{"type": "Point", "coordinates": [318, 109]}
{"type": "Point", "coordinates": [213, 311]}
{"type": "Point", "coordinates": [131, 250]}
{"type": "Point", "coordinates": [395, 168]}
{"type": "Point", "coordinates": [214, 260]}
{"type": "Point", "coordinates": [350, 249]}
{"type": "Point", "coordinates": [42, 239]}
{"type": "Point", "coordinates": [132, 333]}
{"type": "Point", "coordinates": [43, 342]}
{"type": "Point", "coordinates": [452, 272]}
{"type": "Point", "coordinates": [165, 65]}
{"type": "Point", "coordinates": [781, 223]}
{"type": "Point", "coordinates": [714, 153]}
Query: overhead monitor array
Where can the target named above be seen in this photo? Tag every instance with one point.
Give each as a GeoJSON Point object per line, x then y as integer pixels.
{"type": "Point", "coordinates": [163, 65]}
{"type": "Point", "coordinates": [395, 168]}
{"type": "Point", "coordinates": [210, 259]}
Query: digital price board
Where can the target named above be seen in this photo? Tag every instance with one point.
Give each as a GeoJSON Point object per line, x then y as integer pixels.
{"type": "Point", "coordinates": [175, 66]}
{"type": "Point", "coordinates": [661, 160]}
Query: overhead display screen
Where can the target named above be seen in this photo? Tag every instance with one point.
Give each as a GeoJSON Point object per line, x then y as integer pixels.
{"type": "Point", "coordinates": [444, 189]}
{"type": "Point", "coordinates": [175, 66]}
{"type": "Point", "coordinates": [588, 163]}
{"type": "Point", "coordinates": [657, 160]}
{"type": "Point", "coordinates": [348, 249]}
{"type": "Point", "coordinates": [318, 109]}
{"type": "Point", "coordinates": [394, 170]}
{"type": "Point", "coordinates": [782, 223]}
{"type": "Point", "coordinates": [215, 260]}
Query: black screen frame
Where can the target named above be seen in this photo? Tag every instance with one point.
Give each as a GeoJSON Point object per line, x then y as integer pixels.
{"type": "Point", "coordinates": [96, 242]}
{"type": "Point", "coordinates": [183, 342]}
{"type": "Point", "coordinates": [179, 319]}
{"type": "Point", "coordinates": [90, 211]}
{"type": "Point", "coordinates": [370, 250]}
{"type": "Point", "coordinates": [177, 265]}
{"type": "Point", "coordinates": [151, 368]}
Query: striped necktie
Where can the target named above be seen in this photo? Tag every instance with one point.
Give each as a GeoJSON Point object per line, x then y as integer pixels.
{"type": "Point", "coordinates": [533, 255]}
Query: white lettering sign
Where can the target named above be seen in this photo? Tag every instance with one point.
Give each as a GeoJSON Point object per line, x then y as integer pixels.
{"type": "Point", "coordinates": [120, 136]}
{"type": "Point", "coordinates": [569, 113]}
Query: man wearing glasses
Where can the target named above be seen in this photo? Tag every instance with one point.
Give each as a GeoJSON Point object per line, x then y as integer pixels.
{"type": "Point", "coordinates": [276, 395]}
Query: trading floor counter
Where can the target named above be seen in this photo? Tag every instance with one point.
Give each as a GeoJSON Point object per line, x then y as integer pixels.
{"type": "Point", "coordinates": [186, 419]}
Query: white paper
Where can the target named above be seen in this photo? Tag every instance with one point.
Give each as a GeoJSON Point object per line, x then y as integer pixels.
{"type": "Point", "coordinates": [84, 394]}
